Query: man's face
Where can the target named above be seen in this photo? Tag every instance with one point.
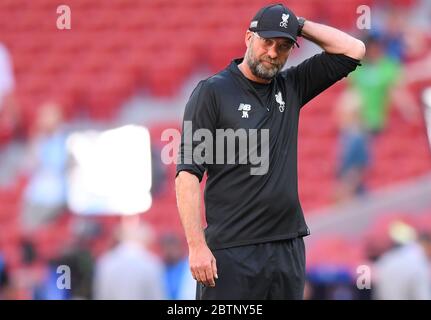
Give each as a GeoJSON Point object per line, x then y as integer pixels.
{"type": "Point", "coordinates": [266, 57]}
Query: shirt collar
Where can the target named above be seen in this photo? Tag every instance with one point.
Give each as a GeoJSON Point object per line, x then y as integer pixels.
{"type": "Point", "coordinates": [234, 66]}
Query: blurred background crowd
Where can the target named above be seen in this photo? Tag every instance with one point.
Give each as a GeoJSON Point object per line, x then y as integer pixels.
{"type": "Point", "coordinates": [83, 184]}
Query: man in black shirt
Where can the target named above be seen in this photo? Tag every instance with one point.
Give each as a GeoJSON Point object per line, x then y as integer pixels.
{"type": "Point", "coordinates": [252, 247]}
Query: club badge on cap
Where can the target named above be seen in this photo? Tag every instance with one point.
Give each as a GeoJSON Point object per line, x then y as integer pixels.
{"type": "Point", "coordinates": [275, 21]}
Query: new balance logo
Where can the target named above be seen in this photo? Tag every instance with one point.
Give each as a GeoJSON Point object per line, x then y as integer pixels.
{"type": "Point", "coordinates": [245, 108]}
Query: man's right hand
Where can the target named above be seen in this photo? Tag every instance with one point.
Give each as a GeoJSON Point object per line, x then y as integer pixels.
{"type": "Point", "coordinates": [203, 265]}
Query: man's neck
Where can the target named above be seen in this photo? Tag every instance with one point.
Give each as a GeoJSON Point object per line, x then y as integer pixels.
{"type": "Point", "coordinates": [245, 69]}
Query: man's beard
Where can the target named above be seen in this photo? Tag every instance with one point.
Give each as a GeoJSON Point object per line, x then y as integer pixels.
{"type": "Point", "coordinates": [259, 70]}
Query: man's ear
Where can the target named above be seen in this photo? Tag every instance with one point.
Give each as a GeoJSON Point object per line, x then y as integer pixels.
{"type": "Point", "coordinates": [248, 35]}
{"type": "Point", "coordinates": [290, 50]}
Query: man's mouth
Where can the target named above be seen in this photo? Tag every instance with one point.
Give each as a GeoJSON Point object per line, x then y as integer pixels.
{"type": "Point", "coordinates": [273, 64]}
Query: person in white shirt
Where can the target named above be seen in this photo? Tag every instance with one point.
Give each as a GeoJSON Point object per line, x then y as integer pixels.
{"type": "Point", "coordinates": [129, 271]}
{"type": "Point", "coordinates": [403, 273]}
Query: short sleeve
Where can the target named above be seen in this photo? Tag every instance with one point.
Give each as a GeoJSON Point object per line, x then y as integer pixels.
{"type": "Point", "coordinates": [200, 113]}
{"type": "Point", "coordinates": [319, 72]}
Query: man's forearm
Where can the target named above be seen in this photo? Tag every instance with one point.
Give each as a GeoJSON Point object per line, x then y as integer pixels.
{"type": "Point", "coordinates": [203, 264]}
{"type": "Point", "coordinates": [188, 201]}
{"type": "Point", "coordinates": [333, 40]}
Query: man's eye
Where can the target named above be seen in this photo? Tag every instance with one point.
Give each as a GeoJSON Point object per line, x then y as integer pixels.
{"type": "Point", "coordinates": [285, 46]}
{"type": "Point", "coordinates": [268, 42]}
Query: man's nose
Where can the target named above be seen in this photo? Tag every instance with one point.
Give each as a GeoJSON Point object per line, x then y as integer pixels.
{"type": "Point", "coordinates": [272, 51]}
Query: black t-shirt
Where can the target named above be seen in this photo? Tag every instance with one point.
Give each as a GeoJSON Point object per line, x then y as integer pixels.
{"type": "Point", "coordinates": [244, 208]}
{"type": "Point", "coordinates": [264, 90]}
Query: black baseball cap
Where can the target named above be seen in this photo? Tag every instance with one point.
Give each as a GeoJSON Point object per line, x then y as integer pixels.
{"type": "Point", "coordinates": [275, 21]}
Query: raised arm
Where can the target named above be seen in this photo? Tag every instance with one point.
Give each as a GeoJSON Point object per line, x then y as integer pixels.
{"type": "Point", "coordinates": [333, 40]}
{"type": "Point", "coordinates": [202, 261]}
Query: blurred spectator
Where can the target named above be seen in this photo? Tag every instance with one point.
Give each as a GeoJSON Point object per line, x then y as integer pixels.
{"type": "Point", "coordinates": [393, 33]}
{"type": "Point", "coordinates": [31, 271]}
{"type": "Point", "coordinates": [45, 195]}
{"type": "Point", "coordinates": [330, 282]}
{"type": "Point", "coordinates": [78, 257]}
{"type": "Point", "coordinates": [180, 284]}
{"type": "Point", "coordinates": [4, 280]}
{"type": "Point", "coordinates": [159, 171]}
{"type": "Point", "coordinates": [7, 81]}
{"type": "Point", "coordinates": [378, 84]}
{"type": "Point", "coordinates": [341, 292]}
{"type": "Point", "coordinates": [130, 271]}
{"type": "Point", "coordinates": [353, 147]}
{"type": "Point", "coordinates": [48, 289]}
{"type": "Point", "coordinates": [403, 273]}
{"type": "Point", "coordinates": [420, 15]}
{"type": "Point", "coordinates": [9, 119]}
{"type": "Point", "coordinates": [28, 252]}
{"type": "Point", "coordinates": [81, 263]}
